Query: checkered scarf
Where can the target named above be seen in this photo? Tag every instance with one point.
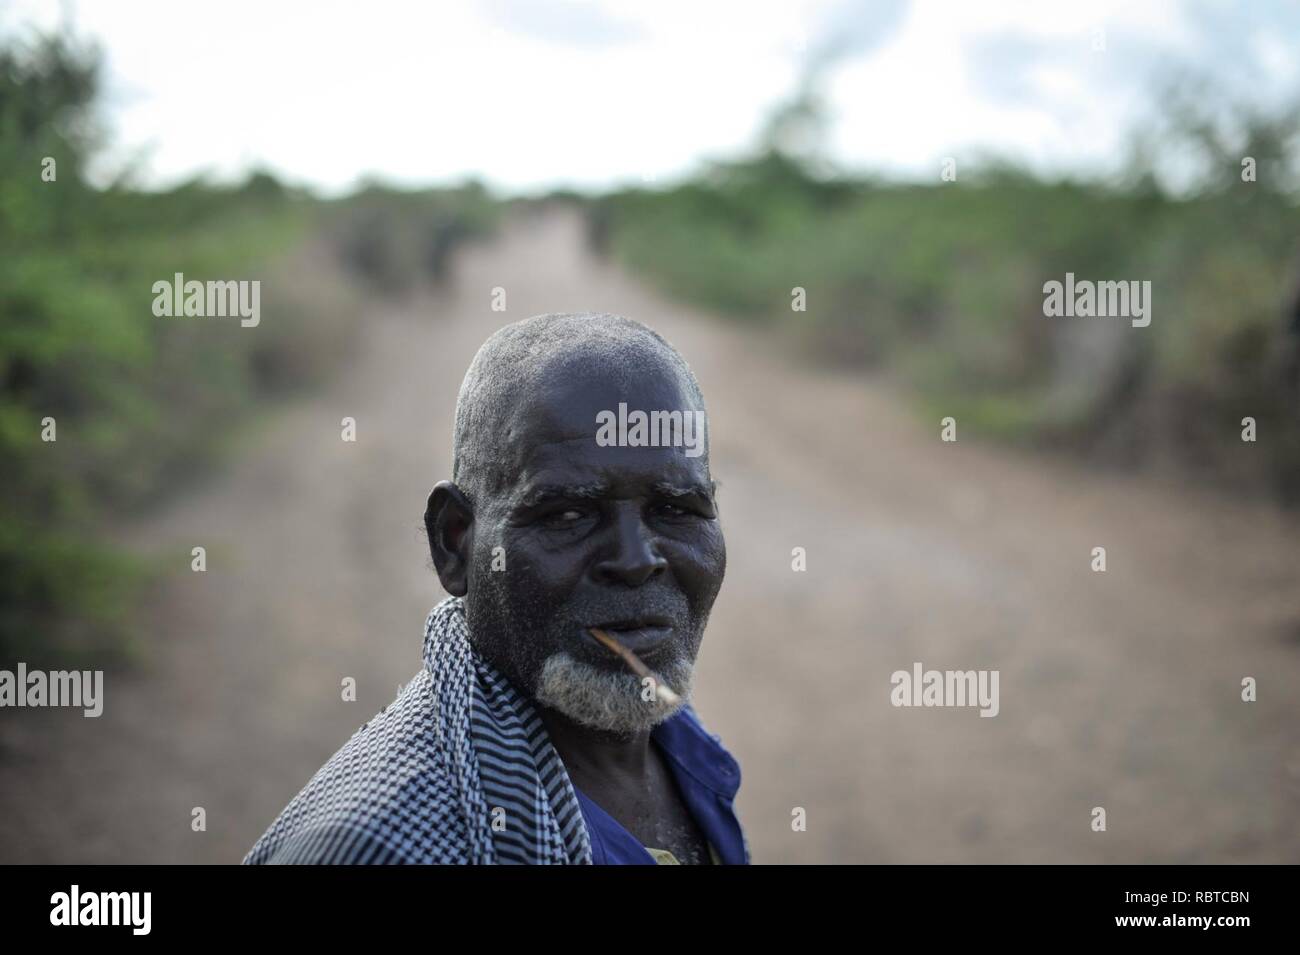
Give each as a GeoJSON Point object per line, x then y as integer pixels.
{"type": "Point", "coordinates": [457, 769]}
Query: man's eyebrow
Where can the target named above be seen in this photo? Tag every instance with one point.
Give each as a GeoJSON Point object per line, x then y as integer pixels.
{"type": "Point", "coordinates": [563, 492]}
{"type": "Point", "coordinates": [670, 489]}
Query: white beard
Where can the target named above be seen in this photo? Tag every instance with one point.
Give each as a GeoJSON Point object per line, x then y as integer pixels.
{"type": "Point", "coordinates": [613, 701]}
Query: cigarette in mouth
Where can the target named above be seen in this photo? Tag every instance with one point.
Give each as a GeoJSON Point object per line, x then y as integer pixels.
{"type": "Point", "coordinates": [662, 690]}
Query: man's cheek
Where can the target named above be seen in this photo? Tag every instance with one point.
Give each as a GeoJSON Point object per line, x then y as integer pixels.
{"type": "Point", "coordinates": [507, 560]}
{"type": "Point", "coordinates": [547, 572]}
{"type": "Point", "coordinates": [701, 567]}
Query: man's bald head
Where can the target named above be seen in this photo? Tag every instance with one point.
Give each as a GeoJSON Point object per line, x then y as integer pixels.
{"type": "Point", "coordinates": [528, 356]}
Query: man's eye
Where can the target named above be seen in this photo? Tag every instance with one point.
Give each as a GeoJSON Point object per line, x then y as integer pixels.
{"type": "Point", "coordinates": [563, 518]}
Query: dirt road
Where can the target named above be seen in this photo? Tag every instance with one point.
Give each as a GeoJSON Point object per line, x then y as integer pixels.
{"type": "Point", "coordinates": [1118, 689]}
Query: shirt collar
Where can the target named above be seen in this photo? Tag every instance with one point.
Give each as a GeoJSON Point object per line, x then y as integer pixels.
{"type": "Point", "coordinates": [699, 753]}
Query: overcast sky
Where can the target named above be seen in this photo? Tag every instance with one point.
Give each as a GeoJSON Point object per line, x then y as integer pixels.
{"type": "Point", "coordinates": [529, 94]}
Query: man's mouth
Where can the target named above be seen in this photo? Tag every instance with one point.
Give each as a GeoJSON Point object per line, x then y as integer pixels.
{"type": "Point", "coordinates": [642, 635]}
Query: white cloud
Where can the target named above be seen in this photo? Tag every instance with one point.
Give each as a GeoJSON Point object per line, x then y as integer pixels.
{"type": "Point", "coordinates": [582, 92]}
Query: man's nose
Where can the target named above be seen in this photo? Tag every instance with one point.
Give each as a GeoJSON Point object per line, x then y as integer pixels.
{"type": "Point", "coordinates": [632, 557]}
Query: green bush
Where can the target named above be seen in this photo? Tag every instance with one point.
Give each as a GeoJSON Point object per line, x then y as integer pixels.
{"type": "Point", "coordinates": [137, 400]}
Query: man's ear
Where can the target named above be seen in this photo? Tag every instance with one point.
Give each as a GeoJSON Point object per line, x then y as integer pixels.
{"type": "Point", "coordinates": [448, 520]}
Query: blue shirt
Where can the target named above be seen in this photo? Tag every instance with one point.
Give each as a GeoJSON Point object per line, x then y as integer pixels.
{"type": "Point", "coordinates": [708, 777]}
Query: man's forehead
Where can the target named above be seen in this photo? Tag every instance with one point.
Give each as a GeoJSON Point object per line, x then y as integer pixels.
{"type": "Point", "coordinates": [568, 407]}
{"type": "Point", "coordinates": [556, 429]}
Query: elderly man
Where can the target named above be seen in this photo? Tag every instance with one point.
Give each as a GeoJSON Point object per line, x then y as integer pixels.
{"type": "Point", "coordinates": [526, 737]}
